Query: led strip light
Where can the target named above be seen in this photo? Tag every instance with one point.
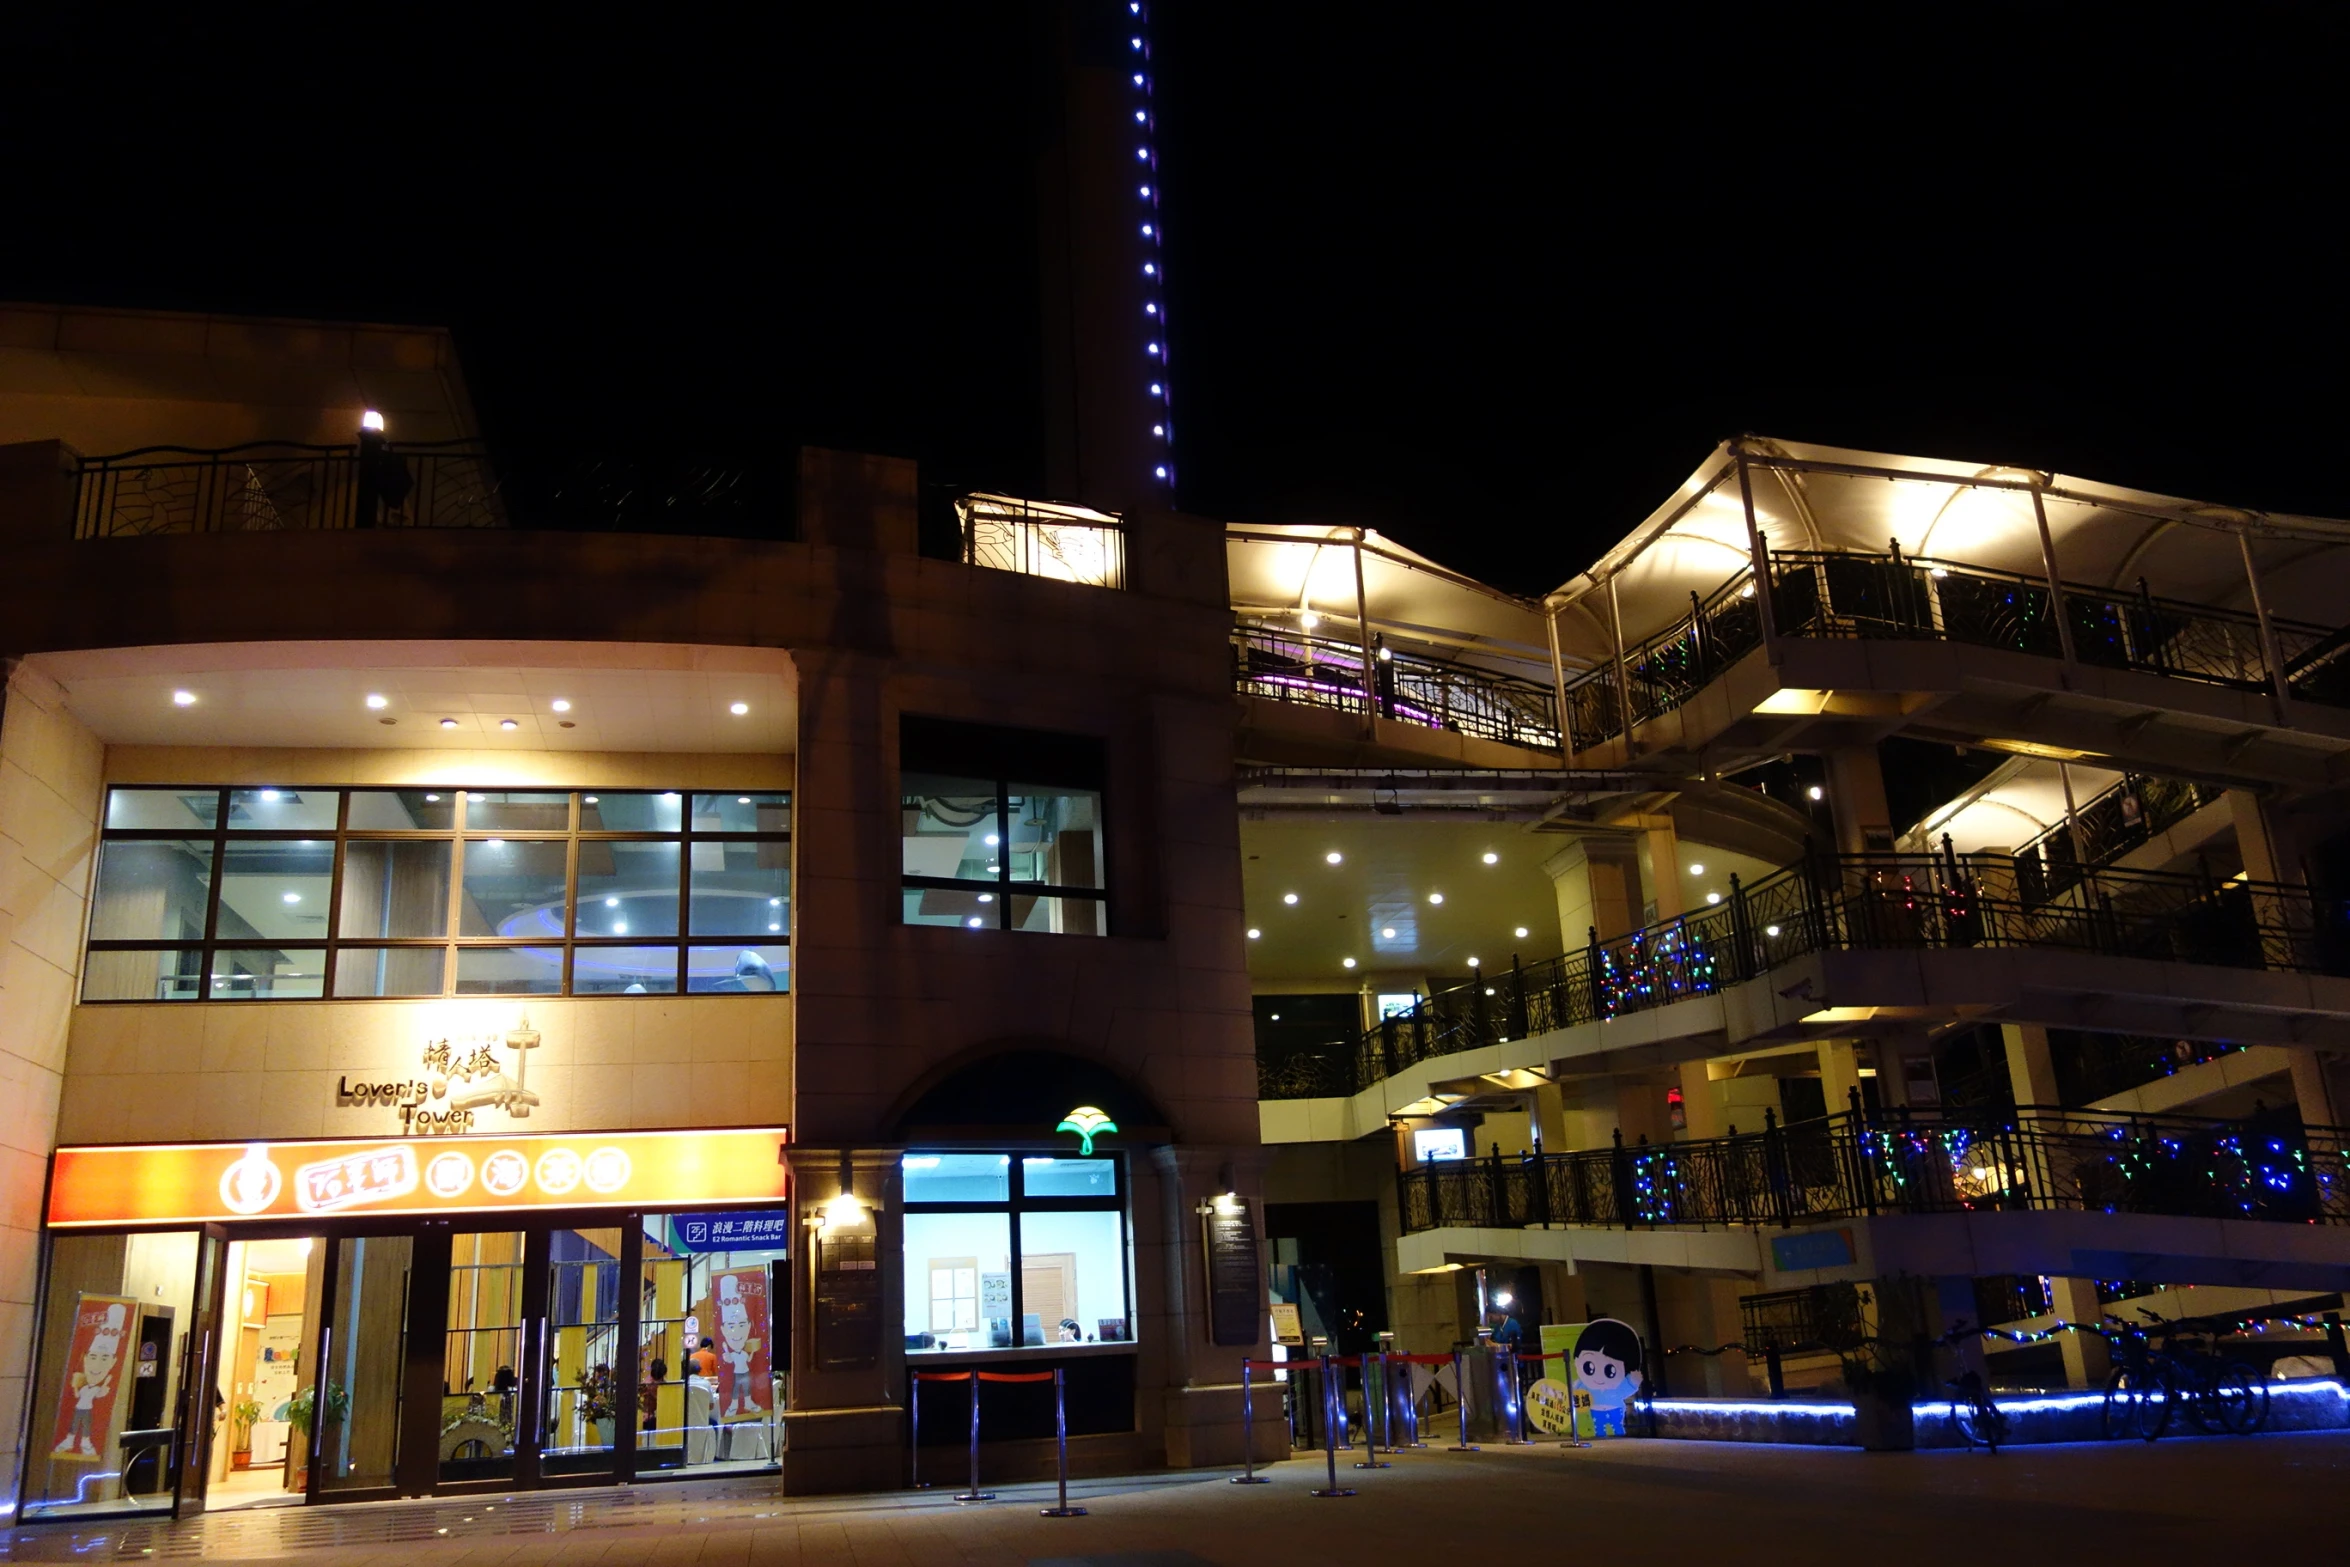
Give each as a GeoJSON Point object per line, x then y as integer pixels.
{"type": "Point", "coordinates": [1154, 311]}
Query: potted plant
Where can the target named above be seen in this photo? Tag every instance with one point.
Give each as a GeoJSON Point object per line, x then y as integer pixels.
{"type": "Point", "coordinates": [1884, 1368]}
{"type": "Point", "coordinates": [599, 1404]}
{"type": "Point", "coordinates": [241, 1416]}
{"type": "Point", "coordinates": [301, 1411]}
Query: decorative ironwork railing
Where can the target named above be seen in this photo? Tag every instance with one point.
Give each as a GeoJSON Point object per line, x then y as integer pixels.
{"type": "Point", "coordinates": [2108, 826]}
{"type": "Point", "coordinates": [1316, 671]}
{"type": "Point", "coordinates": [283, 486]}
{"type": "Point", "coordinates": [2267, 1167]}
{"type": "Point", "coordinates": [1036, 539]}
{"type": "Point", "coordinates": [1841, 903]}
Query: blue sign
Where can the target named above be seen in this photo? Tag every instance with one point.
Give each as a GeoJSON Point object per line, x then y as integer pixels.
{"type": "Point", "coordinates": [769, 1231]}
{"type": "Point", "coordinates": [1811, 1249]}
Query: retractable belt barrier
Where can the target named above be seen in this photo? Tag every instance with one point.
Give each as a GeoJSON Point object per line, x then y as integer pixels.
{"type": "Point", "coordinates": [1060, 1428]}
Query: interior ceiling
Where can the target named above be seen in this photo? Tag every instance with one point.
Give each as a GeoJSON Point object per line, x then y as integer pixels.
{"type": "Point", "coordinates": [623, 696]}
{"type": "Point", "coordinates": [277, 1257]}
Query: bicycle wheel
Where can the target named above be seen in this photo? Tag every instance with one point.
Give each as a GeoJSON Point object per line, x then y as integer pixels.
{"type": "Point", "coordinates": [2124, 1391]}
{"type": "Point", "coordinates": [2239, 1399]}
{"type": "Point", "coordinates": [2154, 1406]}
{"type": "Point", "coordinates": [1966, 1420]}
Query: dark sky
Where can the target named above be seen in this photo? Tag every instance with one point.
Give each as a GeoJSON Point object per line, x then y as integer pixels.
{"type": "Point", "coordinates": [1492, 280]}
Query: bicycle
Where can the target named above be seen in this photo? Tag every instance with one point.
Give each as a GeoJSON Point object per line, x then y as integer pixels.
{"type": "Point", "coordinates": [1980, 1421]}
{"type": "Point", "coordinates": [2220, 1396]}
{"type": "Point", "coordinates": [2137, 1393]}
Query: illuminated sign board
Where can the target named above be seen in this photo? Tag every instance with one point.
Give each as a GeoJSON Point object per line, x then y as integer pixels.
{"type": "Point", "coordinates": [1443, 1142]}
{"type": "Point", "coordinates": [179, 1183]}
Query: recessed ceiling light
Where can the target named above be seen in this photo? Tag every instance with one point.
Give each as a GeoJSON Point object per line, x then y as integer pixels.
{"type": "Point", "coordinates": [591, 799]}
{"type": "Point", "coordinates": [508, 723]}
{"type": "Point", "coordinates": [1814, 791]}
{"type": "Point", "coordinates": [1522, 933]}
{"type": "Point", "coordinates": [378, 699]}
{"type": "Point", "coordinates": [775, 903]}
{"type": "Point", "coordinates": [448, 723]}
{"type": "Point", "coordinates": [1472, 962]}
{"type": "Point", "coordinates": [1289, 897]}
{"type": "Point", "coordinates": [1492, 858]}
{"type": "Point", "coordinates": [1696, 869]}
{"type": "Point", "coordinates": [1333, 857]}
{"type": "Point", "coordinates": [1387, 933]}
{"type": "Point", "coordinates": [1254, 933]}
{"type": "Point", "coordinates": [973, 922]}
{"type": "Point", "coordinates": [611, 903]}
{"type": "Point", "coordinates": [739, 708]}
{"type": "Point", "coordinates": [773, 926]}
{"type": "Point", "coordinates": [671, 795]}
{"type": "Point", "coordinates": [742, 799]}
{"type": "Point", "coordinates": [1713, 897]}
{"type": "Point", "coordinates": [387, 720]}
{"type": "Point", "coordinates": [620, 927]}
{"type": "Point", "coordinates": [1436, 897]}
{"type": "Point", "coordinates": [183, 699]}
{"type": "Point", "coordinates": [560, 706]}
{"type": "Point", "coordinates": [293, 897]}
{"type": "Point", "coordinates": [269, 796]}
{"type": "Point", "coordinates": [1348, 962]}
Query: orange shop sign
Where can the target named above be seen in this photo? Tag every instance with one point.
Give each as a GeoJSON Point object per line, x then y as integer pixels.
{"type": "Point", "coordinates": [167, 1183]}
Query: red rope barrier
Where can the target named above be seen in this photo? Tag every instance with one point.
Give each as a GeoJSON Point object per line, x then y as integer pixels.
{"type": "Point", "coordinates": [1010, 1376]}
{"type": "Point", "coordinates": [942, 1376]}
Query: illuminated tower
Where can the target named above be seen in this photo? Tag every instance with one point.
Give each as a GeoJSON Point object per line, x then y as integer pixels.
{"type": "Point", "coordinates": [1107, 395]}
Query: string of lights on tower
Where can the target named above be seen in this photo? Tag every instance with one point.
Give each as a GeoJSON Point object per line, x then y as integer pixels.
{"type": "Point", "coordinates": [1154, 311]}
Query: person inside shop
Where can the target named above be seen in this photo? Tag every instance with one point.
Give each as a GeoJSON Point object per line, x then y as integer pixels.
{"type": "Point", "coordinates": [706, 1360]}
{"type": "Point", "coordinates": [503, 1384]}
{"type": "Point", "coordinates": [1507, 1329]}
{"type": "Point", "coordinates": [648, 1392]}
{"type": "Point", "coordinates": [1071, 1333]}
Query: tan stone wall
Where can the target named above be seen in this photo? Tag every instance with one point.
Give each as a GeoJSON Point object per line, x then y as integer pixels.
{"type": "Point", "coordinates": [133, 764]}
{"type": "Point", "coordinates": [49, 792]}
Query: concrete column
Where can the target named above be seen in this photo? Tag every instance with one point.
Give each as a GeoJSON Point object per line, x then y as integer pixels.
{"type": "Point", "coordinates": [1660, 854]}
{"type": "Point", "coordinates": [2311, 1091]}
{"type": "Point", "coordinates": [1856, 795]}
{"type": "Point", "coordinates": [1598, 884]}
{"type": "Point", "coordinates": [2267, 857]}
{"type": "Point", "coordinates": [1201, 1396]}
{"type": "Point", "coordinates": [2031, 1071]}
{"type": "Point", "coordinates": [1702, 1108]}
{"type": "Point", "coordinates": [1839, 1074]}
{"type": "Point", "coordinates": [846, 1424]}
{"type": "Point", "coordinates": [2085, 1359]}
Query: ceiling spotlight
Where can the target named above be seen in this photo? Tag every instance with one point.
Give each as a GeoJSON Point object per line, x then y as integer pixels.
{"type": "Point", "coordinates": [973, 922]}
{"type": "Point", "coordinates": [611, 903]}
{"type": "Point", "coordinates": [987, 897]}
{"type": "Point", "coordinates": [448, 723]}
{"type": "Point", "coordinates": [183, 699]}
{"type": "Point", "coordinates": [1815, 791]}
{"type": "Point", "coordinates": [1347, 962]}
{"type": "Point", "coordinates": [1770, 930]}
{"type": "Point", "coordinates": [1309, 620]}
{"type": "Point", "coordinates": [1289, 897]}
{"type": "Point", "coordinates": [1522, 933]}
{"type": "Point", "coordinates": [742, 799]}
{"type": "Point", "coordinates": [432, 799]}
{"type": "Point", "coordinates": [378, 699]}
{"type": "Point", "coordinates": [1333, 857]}
{"type": "Point", "coordinates": [371, 420]}
{"type": "Point", "coordinates": [990, 840]}
{"type": "Point", "coordinates": [560, 706]}
{"type": "Point", "coordinates": [775, 903]}
{"type": "Point", "coordinates": [591, 799]}
{"type": "Point", "coordinates": [292, 897]}
{"type": "Point", "coordinates": [1436, 897]}
{"type": "Point", "coordinates": [738, 708]}
{"type": "Point", "coordinates": [1254, 933]}
{"type": "Point", "coordinates": [1713, 897]}
{"type": "Point", "coordinates": [1696, 869]}
{"type": "Point", "coordinates": [1492, 858]}
{"type": "Point", "coordinates": [1472, 962]}
{"type": "Point", "coordinates": [269, 797]}
{"type": "Point", "coordinates": [774, 927]}
{"type": "Point", "coordinates": [508, 723]}
{"type": "Point", "coordinates": [620, 927]}
{"type": "Point", "coordinates": [1387, 933]}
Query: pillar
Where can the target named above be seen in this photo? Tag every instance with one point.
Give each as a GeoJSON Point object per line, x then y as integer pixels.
{"type": "Point", "coordinates": [1598, 885]}
{"type": "Point", "coordinates": [2267, 857]}
{"type": "Point", "coordinates": [2085, 1359]}
{"type": "Point", "coordinates": [2311, 1091]}
{"type": "Point", "coordinates": [1701, 1107]}
{"type": "Point", "coordinates": [845, 1424]}
{"type": "Point", "coordinates": [1202, 1391]}
{"type": "Point", "coordinates": [1839, 1073]}
{"type": "Point", "coordinates": [2031, 1070]}
{"type": "Point", "coordinates": [1660, 854]}
{"type": "Point", "coordinates": [1856, 797]}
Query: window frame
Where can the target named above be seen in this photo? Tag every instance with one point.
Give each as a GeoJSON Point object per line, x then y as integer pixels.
{"type": "Point", "coordinates": [452, 942]}
{"type": "Point", "coordinates": [1017, 1204]}
{"type": "Point", "coordinates": [1002, 758]}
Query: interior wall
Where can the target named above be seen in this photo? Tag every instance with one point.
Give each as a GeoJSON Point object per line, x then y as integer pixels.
{"type": "Point", "coordinates": [49, 792]}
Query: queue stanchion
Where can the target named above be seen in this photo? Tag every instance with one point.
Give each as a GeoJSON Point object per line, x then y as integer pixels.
{"type": "Point", "coordinates": [1460, 1385]}
{"type": "Point", "coordinates": [1061, 1440]}
{"type": "Point", "coordinates": [1511, 1416]}
{"type": "Point", "coordinates": [1411, 1408]}
{"type": "Point", "coordinates": [1248, 1431]}
{"type": "Point", "coordinates": [1330, 1432]}
{"type": "Point", "coordinates": [914, 1397]}
{"type": "Point", "coordinates": [1371, 1433]}
{"type": "Point", "coordinates": [974, 1494]}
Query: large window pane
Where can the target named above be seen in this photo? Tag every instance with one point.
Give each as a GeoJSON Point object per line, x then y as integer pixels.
{"type": "Point", "coordinates": [391, 971]}
{"type": "Point", "coordinates": [742, 813]}
{"type": "Point", "coordinates": [958, 1281]}
{"type": "Point", "coordinates": [518, 812]}
{"type": "Point", "coordinates": [275, 889]}
{"type": "Point", "coordinates": [513, 887]}
{"type": "Point", "coordinates": [403, 810]}
{"type": "Point", "coordinates": [1059, 916]}
{"type": "Point", "coordinates": [741, 889]}
{"type": "Point", "coordinates": [268, 973]}
{"type": "Point", "coordinates": [624, 971]}
{"type": "Point", "coordinates": [1069, 1177]}
{"type": "Point", "coordinates": [632, 812]}
{"type": "Point", "coordinates": [737, 970]}
{"type": "Point", "coordinates": [152, 891]}
{"type": "Point", "coordinates": [1056, 835]}
{"type": "Point", "coordinates": [723, 1276]}
{"type": "Point", "coordinates": [509, 971]}
{"type": "Point", "coordinates": [949, 906]}
{"type": "Point", "coordinates": [1072, 1278]}
{"type": "Point", "coordinates": [144, 976]}
{"type": "Point", "coordinates": [282, 810]}
{"type": "Point", "coordinates": [396, 889]}
{"type": "Point", "coordinates": [165, 810]}
{"type": "Point", "coordinates": [950, 827]}
{"type": "Point", "coordinates": [628, 889]}
{"type": "Point", "coordinates": [957, 1177]}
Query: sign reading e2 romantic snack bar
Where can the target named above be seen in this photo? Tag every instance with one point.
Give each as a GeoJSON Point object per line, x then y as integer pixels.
{"type": "Point", "coordinates": [188, 1182]}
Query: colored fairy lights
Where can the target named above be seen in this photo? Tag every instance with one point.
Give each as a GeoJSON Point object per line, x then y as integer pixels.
{"type": "Point", "coordinates": [1154, 311]}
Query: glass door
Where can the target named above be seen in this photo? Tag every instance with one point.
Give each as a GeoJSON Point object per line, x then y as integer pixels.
{"type": "Point", "coordinates": [484, 1411]}
{"type": "Point", "coordinates": [366, 1347]}
{"type": "Point", "coordinates": [578, 1363]}
{"type": "Point", "coordinates": [197, 1411]}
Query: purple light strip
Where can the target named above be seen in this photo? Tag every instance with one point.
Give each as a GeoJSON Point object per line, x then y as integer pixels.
{"type": "Point", "coordinates": [1153, 309]}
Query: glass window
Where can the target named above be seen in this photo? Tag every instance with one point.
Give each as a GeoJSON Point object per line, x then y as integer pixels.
{"type": "Point", "coordinates": [283, 810]}
{"type": "Point", "coordinates": [509, 971]}
{"type": "Point", "coordinates": [170, 975]}
{"type": "Point", "coordinates": [737, 970]}
{"type": "Point", "coordinates": [513, 888]}
{"type": "Point", "coordinates": [951, 828]}
{"type": "Point", "coordinates": [153, 889]}
{"type": "Point", "coordinates": [718, 1277]}
{"type": "Point", "coordinates": [984, 811]}
{"type": "Point", "coordinates": [950, 906]}
{"type": "Point", "coordinates": [957, 1177]}
{"type": "Point", "coordinates": [741, 888]}
{"type": "Point", "coordinates": [632, 812]}
{"type": "Point", "coordinates": [1068, 1177]}
{"type": "Point", "coordinates": [628, 889]}
{"type": "Point", "coordinates": [393, 888]}
{"type": "Point", "coordinates": [1057, 916]}
{"type": "Point", "coordinates": [1073, 1278]}
{"type": "Point", "coordinates": [518, 812]}
{"type": "Point", "coordinates": [1056, 836]}
{"type": "Point", "coordinates": [624, 971]}
{"type": "Point", "coordinates": [165, 810]}
{"type": "Point", "coordinates": [268, 973]}
{"type": "Point", "coordinates": [391, 971]}
{"type": "Point", "coordinates": [767, 813]}
{"type": "Point", "coordinates": [403, 810]}
{"type": "Point", "coordinates": [959, 1281]}
{"type": "Point", "coordinates": [275, 888]}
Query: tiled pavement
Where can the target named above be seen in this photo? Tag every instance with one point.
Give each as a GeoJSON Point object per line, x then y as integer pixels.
{"type": "Point", "coordinates": [2219, 1500]}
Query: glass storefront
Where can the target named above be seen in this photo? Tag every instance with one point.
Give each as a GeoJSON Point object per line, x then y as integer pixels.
{"type": "Point", "coordinates": [710, 1382]}
{"type": "Point", "coordinates": [1008, 1251]}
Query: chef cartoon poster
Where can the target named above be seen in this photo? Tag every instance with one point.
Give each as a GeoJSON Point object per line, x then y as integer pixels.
{"type": "Point", "coordinates": [745, 1386]}
{"type": "Point", "coordinates": [95, 1365]}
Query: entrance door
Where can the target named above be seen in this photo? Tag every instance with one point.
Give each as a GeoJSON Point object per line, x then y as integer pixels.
{"type": "Point", "coordinates": [196, 1411]}
{"type": "Point", "coordinates": [484, 1417]}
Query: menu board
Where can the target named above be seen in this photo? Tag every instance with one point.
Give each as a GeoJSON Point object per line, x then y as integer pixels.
{"type": "Point", "coordinates": [1236, 1289]}
{"type": "Point", "coordinates": [848, 1300]}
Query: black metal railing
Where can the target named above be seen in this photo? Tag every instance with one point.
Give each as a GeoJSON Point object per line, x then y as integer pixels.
{"type": "Point", "coordinates": [2108, 826]}
{"type": "Point", "coordinates": [2090, 1067]}
{"type": "Point", "coordinates": [1312, 671]}
{"type": "Point", "coordinates": [1038, 540]}
{"type": "Point", "coordinates": [1830, 902]}
{"type": "Point", "coordinates": [1839, 594]}
{"type": "Point", "coordinates": [2266, 1167]}
{"type": "Point", "coordinates": [284, 486]}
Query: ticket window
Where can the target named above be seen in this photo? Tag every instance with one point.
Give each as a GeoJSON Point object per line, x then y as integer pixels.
{"type": "Point", "coordinates": [105, 1434]}
{"type": "Point", "coordinates": [710, 1373]}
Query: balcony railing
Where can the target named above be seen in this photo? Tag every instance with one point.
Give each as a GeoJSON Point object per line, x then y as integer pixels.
{"type": "Point", "coordinates": [2105, 828]}
{"type": "Point", "coordinates": [282, 486]}
{"type": "Point", "coordinates": [2268, 1167]}
{"type": "Point", "coordinates": [1324, 672]}
{"type": "Point", "coordinates": [1853, 902]}
{"type": "Point", "coordinates": [1893, 597]}
{"type": "Point", "coordinates": [1038, 539]}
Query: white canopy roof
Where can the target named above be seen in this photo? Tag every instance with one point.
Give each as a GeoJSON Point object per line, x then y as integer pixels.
{"type": "Point", "coordinates": [1828, 498]}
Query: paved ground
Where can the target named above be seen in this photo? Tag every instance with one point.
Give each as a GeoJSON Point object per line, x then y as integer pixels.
{"type": "Point", "coordinates": [2216, 1500]}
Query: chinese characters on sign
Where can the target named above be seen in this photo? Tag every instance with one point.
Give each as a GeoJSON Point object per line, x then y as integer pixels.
{"type": "Point", "coordinates": [461, 1074]}
{"type": "Point", "coordinates": [735, 1231]}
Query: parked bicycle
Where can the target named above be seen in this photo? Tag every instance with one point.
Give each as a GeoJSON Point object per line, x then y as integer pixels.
{"type": "Point", "coordinates": [2183, 1373]}
{"type": "Point", "coordinates": [1980, 1422]}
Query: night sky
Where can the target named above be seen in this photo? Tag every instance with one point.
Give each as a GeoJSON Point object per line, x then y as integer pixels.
{"type": "Point", "coordinates": [1489, 280]}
